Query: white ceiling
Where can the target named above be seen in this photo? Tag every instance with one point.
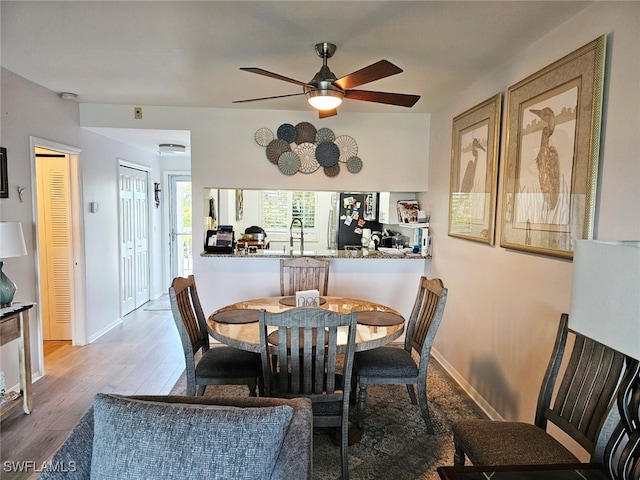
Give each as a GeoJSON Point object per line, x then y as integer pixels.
{"type": "Point", "coordinates": [184, 53]}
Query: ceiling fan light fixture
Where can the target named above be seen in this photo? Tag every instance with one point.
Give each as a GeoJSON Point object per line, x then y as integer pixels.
{"type": "Point", "coordinates": [170, 148]}
{"type": "Point", "coordinates": [324, 99]}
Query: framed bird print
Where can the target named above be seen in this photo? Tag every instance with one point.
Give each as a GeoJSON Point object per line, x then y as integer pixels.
{"type": "Point", "coordinates": [474, 171]}
{"type": "Point", "coordinates": [552, 150]}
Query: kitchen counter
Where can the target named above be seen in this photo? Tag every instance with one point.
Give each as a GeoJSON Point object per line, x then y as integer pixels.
{"type": "Point", "coordinates": [391, 253]}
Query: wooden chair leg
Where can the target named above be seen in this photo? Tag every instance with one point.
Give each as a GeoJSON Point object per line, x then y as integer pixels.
{"type": "Point", "coordinates": [344, 450]}
{"type": "Point", "coordinates": [458, 454]}
{"type": "Point", "coordinates": [412, 394]}
{"type": "Point", "coordinates": [362, 397]}
{"type": "Point", "coordinates": [252, 387]}
{"type": "Point", "coordinates": [424, 407]}
{"type": "Point", "coordinates": [201, 390]}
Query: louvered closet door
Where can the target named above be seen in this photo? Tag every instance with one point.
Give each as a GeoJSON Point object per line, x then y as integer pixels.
{"type": "Point", "coordinates": [134, 239]}
{"type": "Point", "coordinates": [54, 232]}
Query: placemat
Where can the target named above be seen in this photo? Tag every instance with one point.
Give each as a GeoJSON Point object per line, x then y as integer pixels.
{"type": "Point", "coordinates": [237, 316]}
{"type": "Point", "coordinates": [379, 319]}
{"type": "Point", "coordinates": [291, 301]}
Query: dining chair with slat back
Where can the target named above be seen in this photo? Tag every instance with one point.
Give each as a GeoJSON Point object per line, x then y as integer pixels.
{"type": "Point", "coordinates": [301, 358]}
{"type": "Point", "coordinates": [582, 402]}
{"type": "Point", "coordinates": [621, 454]}
{"type": "Point", "coordinates": [221, 365]}
{"type": "Point", "coordinates": [392, 365]}
{"type": "Point", "coordinates": [303, 273]}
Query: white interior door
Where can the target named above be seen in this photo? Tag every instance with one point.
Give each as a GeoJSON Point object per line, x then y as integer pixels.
{"type": "Point", "coordinates": [134, 238]}
{"type": "Point", "coordinates": [54, 243]}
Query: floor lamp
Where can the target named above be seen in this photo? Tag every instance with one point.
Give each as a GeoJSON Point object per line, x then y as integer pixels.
{"type": "Point", "coordinates": [605, 306]}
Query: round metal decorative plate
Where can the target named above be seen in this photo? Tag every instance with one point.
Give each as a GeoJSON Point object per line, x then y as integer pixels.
{"type": "Point", "coordinates": [354, 164]}
{"type": "Point", "coordinates": [327, 154]}
{"type": "Point", "coordinates": [348, 147]}
{"type": "Point", "coordinates": [307, 154]}
{"type": "Point", "coordinates": [305, 133]}
{"type": "Point", "coordinates": [325, 135]}
{"type": "Point", "coordinates": [263, 136]}
{"type": "Point", "coordinates": [332, 171]}
{"type": "Point", "coordinates": [289, 163]}
{"type": "Point", "coordinates": [276, 148]}
{"type": "Point", "coordinates": [287, 132]}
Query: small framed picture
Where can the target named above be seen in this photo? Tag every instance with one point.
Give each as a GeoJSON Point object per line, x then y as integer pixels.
{"type": "Point", "coordinates": [4, 178]}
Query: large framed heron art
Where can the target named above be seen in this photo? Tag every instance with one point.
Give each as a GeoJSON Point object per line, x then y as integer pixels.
{"type": "Point", "coordinates": [551, 158]}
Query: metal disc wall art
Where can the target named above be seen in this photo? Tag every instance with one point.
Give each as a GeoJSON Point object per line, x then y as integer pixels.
{"type": "Point", "coordinates": [276, 148]}
{"type": "Point", "coordinates": [348, 147]}
{"type": "Point", "coordinates": [303, 148]}
{"type": "Point", "coordinates": [307, 154]}
{"type": "Point", "coordinates": [264, 136]}
{"type": "Point", "coordinates": [305, 133]}
{"type": "Point", "coordinates": [287, 132]}
{"type": "Point", "coordinates": [289, 163]}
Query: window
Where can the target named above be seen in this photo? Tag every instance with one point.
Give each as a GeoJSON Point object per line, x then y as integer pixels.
{"type": "Point", "coordinates": [280, 207]}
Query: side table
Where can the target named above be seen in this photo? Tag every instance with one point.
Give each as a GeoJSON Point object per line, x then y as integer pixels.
{"type": "Point", "coordinates": [14, 324]}
{"type": "Point", "coordinates": [569, 471]}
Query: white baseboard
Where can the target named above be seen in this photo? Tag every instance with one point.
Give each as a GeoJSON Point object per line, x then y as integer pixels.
{"type": "Point", "coordinates": [106, 329]}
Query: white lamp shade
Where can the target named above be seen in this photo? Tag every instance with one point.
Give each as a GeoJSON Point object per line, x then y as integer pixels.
{"type": "Point", "coordinates": [11, 240]}
{"type": "Point", "coordinates": [605, 296]}
{"type": "Point", "coordinates": [324, 99]}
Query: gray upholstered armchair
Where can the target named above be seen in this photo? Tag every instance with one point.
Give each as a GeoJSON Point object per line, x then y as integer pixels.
{"type": "Point", "coordinates": [161, 437]}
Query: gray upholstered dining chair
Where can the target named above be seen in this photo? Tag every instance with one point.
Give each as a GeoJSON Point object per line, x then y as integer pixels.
{"type": "Point", "coordinates": [301, 358]}
{"type": "Point", "coordinates": [221, 365]}
{"type": "Point", "coordinates": [303, 273]}
{"type": "Point", "coordinates": [392, 365]}
{"type": "Point", "coordinates": [582, 402]}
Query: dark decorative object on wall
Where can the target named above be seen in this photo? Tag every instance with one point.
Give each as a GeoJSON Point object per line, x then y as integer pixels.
{"type": "Point", "coordinates": [303, 148]}
{"type": "Point", "coordinates": [4, 178]}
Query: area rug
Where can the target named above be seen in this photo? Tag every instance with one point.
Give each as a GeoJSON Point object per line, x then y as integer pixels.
{"type": "Point", "coordinates": [395, 444]}
{"type": "Point", "coordinates": [160, 304]}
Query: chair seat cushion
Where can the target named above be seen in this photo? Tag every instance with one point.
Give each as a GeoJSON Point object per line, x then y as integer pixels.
{"type": "Point", "coordinates": [228, 362]}
{"type": "Point", "coordinates": [385, 362]}
{"type": "Point", "coordinates": [488, 442]}
{"type": "Point", "coordinates": [136, 439]}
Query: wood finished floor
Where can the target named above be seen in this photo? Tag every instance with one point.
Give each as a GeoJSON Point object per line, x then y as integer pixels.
{"type": "Point", "coordinates": [143, 355]}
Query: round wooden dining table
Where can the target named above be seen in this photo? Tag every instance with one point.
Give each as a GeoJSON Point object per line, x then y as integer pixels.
{"type": "Point", "coordinates": [237, 325]}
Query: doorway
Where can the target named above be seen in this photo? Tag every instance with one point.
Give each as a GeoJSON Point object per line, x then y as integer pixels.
{"type": "Point", "coordinates": [134, 237]}
{"type": "Point", "coordinates": [58, 237]}
{"type": "Point", "coordinates": [180, 218]}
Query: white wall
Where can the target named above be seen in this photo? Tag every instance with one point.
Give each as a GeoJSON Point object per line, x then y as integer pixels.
{"type": "Point", "coordinates": [504, 306]}
{"type": "Point", "coordinates": [100, 159]}
{"type": "Point", "coordinates": [28, 110]}
{"type": "Point", "coordinates": [31, 110]}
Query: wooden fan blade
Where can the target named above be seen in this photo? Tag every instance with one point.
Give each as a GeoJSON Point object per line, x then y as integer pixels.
{"type": "Point", "coordinates": [375, 71]}
{"type": "Point", "coordinates": [266, 73]}
{"type": "Point", "coordinates": [327, 113]}
{"type": "Point", "coordinates": [267, 98]}
{"type": "Point", "coordinates": [400, 99]}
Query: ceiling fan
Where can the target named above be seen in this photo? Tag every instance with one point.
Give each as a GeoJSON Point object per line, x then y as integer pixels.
{"type": "Point", "coordinates": [325, 91]}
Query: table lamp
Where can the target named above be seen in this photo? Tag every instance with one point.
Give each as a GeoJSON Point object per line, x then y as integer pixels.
{"type": "Point", "coordinates": [11, 245]}
{"type": "Point", "coordinates": [605, 295]}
